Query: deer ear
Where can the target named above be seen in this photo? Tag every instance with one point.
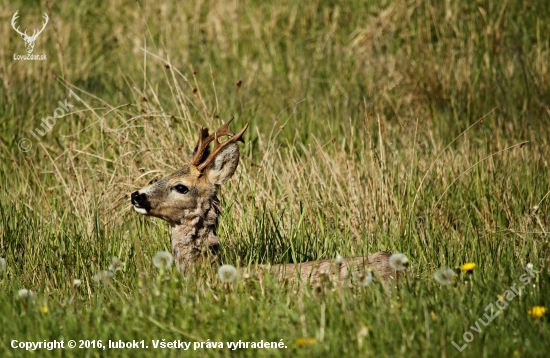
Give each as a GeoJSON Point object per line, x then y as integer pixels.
{"type": "Point", "coordinates": [224, 165]}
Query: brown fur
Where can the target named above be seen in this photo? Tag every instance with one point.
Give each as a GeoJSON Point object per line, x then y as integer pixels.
{"type": "Point", "coordinates": [193, 216]}
{"type": "Point", "coordinates": [350, 270]}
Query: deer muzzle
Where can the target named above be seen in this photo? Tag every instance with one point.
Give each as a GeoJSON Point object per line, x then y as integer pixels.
{"type": "Point", "coordinates": [140, 203]}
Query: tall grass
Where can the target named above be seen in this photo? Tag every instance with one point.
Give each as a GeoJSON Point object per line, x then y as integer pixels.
{"type": "Point", "coordinates": [406, 126]}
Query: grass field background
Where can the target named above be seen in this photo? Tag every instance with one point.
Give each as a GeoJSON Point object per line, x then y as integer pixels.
{"type": "Point", "coordinates": [419, 127]}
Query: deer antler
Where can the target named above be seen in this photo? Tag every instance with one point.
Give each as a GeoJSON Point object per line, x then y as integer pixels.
{"type": "Point", "coordinates": [13, 19]}
{"type": "Point", "coordinates": [35, 34]}
{"type": "Point", "coordinates": [205, 140]}
{"type": "Point", "coordinates": [24, 34]}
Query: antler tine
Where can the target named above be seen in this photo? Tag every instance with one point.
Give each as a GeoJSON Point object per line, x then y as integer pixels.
{"type": "Point", "coordinates": [35, 33]}
{"type": "Point", "coordinates": [218, 147]}
{"type": "Point", "coordinates": [205, 140]}
{"type": "Point", "coordinates": [13, 23]}
{"type": "Point", "coordinates": [44, 23]}
{"type": "Point", "coordinates": [220, 132]}
{"type": "Point", "coordinates": [201, 146]}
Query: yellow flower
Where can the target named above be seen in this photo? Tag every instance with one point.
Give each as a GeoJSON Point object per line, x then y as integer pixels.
{"type": "Point", "coordinates": [537, 311]}
{"type": "Point", "coordinates": [304, 342]}
{"type": "Point", "coordinates": [468, 267]}
{"type": "Point", "coordinates": [433, 315]}
{"type": "Point", "coordinates": [44, 309]}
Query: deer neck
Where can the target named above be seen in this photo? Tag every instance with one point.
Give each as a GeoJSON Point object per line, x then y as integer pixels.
{"type": "Point", "coordinates": [194, 240]}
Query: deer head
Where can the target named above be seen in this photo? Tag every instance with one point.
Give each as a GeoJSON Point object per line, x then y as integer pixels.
{"type": "Point", "coordinates": [187, 198]}
{"type": "Point", "coordinates": [177, 197]}
{"type": "Point", "coordinates": [29, 40]}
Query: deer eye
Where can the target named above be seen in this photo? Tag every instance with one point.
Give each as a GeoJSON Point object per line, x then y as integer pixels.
{"type": "Point", "coordinates": [182, 189]}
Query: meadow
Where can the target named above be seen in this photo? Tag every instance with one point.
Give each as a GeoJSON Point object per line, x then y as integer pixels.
{"type": "Point", "coordinates": [419, 127]}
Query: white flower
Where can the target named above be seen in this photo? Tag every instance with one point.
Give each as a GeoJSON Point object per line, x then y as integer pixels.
{"type": "Point", "coordinates": [366, 279]}
{"type": "Point", "coordinates": [103, 276]}
{"type": "Point", "coordinates": [2, 264]}
{"type": "Point", "coordinates": [116, 265]}
{"type": "Point", "coordinates": [535, 208]}
{"type": "Point", "coordinates": [339, 260]}
{"type": "Point", "coordinates": [530, 267]}
{"type": "Point", "coordinates": [24, 293]}
{"type": "Point", "coordinates": [445, 276]}
{"type": "Point", "coordinates": [77, 282]}
{"type": "Point", "coordinates": [163, 259]}
{"type": "Point", "coordinates": [398, 262]}
{"type": "Point", "coordinates": [227, 273]}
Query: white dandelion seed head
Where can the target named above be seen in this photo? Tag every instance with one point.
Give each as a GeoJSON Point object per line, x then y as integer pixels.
{"type": "Point", "coordinates": [116, 264]}
{"type": "Point", "coordinates": [531, 268]}
{"type": "Point", "coordinates": [227, 273]}
{"type": "Point", "coordinates": [103, 277]}
{"type": "Point", "coordinates": [445, 276]}
{"type": "Point", "coordinates": [339, 260]}
{"type": "Point", "coordinates": [163, 259]}
{"type": "Point", "coordinates": [25, 294]}
{"type": "Point", "coordinates": [77, 282]}
{"type": "Point", "coordinates": [366, 278]}
{"type": "Point", "coordinates": [363, 332]}
{"type": "Point", "coordinates": [2, 264]}
{"type": "Point", "coordinates": [399, 262]}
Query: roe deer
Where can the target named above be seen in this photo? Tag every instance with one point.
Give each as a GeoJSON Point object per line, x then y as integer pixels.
{"type": "Point", "coordinates": [187, 199]}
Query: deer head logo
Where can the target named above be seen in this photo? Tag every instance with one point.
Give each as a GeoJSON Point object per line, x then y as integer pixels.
{"type": "Point", "coordinates": [29, 40]}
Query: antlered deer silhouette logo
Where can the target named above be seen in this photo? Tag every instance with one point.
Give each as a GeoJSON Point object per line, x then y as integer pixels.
{"type": "Point", "coordinates": [29, 40]}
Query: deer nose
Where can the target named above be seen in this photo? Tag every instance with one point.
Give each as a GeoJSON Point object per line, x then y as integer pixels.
{"type": "Point", "coordinates": [138, 199]}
